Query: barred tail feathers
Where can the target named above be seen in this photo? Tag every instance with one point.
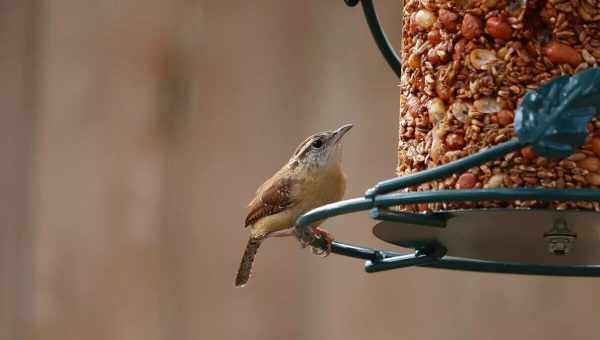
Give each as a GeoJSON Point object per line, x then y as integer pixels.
{"type": "Point", "coordinates": [247, 260]}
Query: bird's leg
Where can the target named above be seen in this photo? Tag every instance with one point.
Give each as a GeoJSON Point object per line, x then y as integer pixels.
{"type": "Point", "coordinates": [325, 236]}
{"type": "Point", "coordinates": [282, 233]}
{"type": "Point", "coordinates": [304, 235]}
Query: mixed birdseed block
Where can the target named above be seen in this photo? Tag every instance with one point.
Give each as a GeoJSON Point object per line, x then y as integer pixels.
{"type": "Point", "coordinates": [466, 64]}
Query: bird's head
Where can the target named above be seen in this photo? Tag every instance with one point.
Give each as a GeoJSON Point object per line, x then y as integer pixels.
{"type": "Point", "coordinates": [321, 149]}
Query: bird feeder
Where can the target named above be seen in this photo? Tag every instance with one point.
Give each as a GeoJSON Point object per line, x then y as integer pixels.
{"type": "Point", "coordinates": [499, 145]}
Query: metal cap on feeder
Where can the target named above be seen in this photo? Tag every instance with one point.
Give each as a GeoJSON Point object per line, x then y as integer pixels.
{"type": "Point", "coordinates": [498, 170]}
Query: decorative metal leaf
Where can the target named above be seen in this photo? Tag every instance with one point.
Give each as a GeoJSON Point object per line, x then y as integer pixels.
{"type": "Point", "coordinates": [554, 118]}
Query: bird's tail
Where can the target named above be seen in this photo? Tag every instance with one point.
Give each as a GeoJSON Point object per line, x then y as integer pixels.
{"type": "Point", "coordinates": [246, 265]}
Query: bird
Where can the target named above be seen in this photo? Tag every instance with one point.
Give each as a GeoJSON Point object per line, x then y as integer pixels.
{"type": "Point", "coordinates": [312, 177]}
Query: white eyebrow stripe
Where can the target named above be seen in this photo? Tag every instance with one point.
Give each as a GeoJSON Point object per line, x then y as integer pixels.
{"type": "Point", "coordinates": [301, 149]}
{"type": "Point", "coordinates": [303, 145]}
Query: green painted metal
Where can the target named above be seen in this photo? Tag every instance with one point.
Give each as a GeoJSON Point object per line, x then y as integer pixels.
{"type": "Point", "coordinates": [445, 170]}
{"type": "Point", "coordinates": [400, 261]}
{"type": "Point", "coordinates": [457, 263]}
{"type": "Point", "coordinates": [388, 200]}
{"type": "Point", "coordinates": [437, 220]}
{"type": "Point", "coordinates": [501, 194]}
{"type": "Point", "coordinates": [334, 209]}
{"type": "Point", "coordinates": [374, 264]}
{"type": "Point", "coordinates": [386, 49]}
{"type": "Point", "coordinates": [554, 118]}
{"type": "Point", "coordinates": [426, 255]}
{"type": "Point", "coordinates": [380, 260]}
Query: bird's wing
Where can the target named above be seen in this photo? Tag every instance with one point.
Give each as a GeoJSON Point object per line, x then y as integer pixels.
{"type": "Point", "coordinates": [272, 197]}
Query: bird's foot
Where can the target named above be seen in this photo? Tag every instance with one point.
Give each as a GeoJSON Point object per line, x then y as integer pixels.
{"type": "Point", "coordinates": [305, 237]}
{"type": "Point", "coordinates": [327, 238]}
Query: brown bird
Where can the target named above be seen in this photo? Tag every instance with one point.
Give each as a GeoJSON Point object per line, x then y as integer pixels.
{"type": "Point", "coordinates": [312, 177]}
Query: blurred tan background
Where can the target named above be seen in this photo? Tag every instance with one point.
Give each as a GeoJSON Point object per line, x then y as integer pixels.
{"type": "Point", "coordinates": [135, 132]}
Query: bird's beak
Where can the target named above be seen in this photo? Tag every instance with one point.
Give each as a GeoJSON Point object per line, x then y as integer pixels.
{"type": "Point", "coordinates": [341, 131]}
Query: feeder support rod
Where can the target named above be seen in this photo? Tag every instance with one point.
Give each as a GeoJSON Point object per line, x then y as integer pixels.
{"type": "Point", "coordinates": [378, 34]}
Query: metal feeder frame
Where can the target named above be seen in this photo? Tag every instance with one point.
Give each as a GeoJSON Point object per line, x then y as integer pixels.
{"type": "Point", "coordinates": [556, 139]}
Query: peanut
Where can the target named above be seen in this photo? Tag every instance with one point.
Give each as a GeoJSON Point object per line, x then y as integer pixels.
{"type": "Point", "coordinates": [482, 59]}
{"type": "Point", "coordinates": [414, 61]}
{"type": "Point", "coordinates": [590, 164]}
{"type": "Point", "coordinates": [424, 19]}
{"type": "Point", "coordinates": [596, 145]}
{"type": "Point", "coordinates": [459, 49]}
{"type": "Point", "coordinates": [434, 37]}
{"type": "Point", "coordinates": [495, 181]}
{"type": "Point", "coordinates": [562, 54]}
{"type": "Point", "coordinates": [433, 57]}
{"type": "Point", "coordinates": [455, 141]}
{"type": "Point", "coordinates": [593, 179]}
{"type": "Point", "coordinates": [471, 26]}
{"type": "Point", "coordinates": [576, 157]}
{"type": "Point", "coordinates": [459, 110]}
{"type": "Point", "coordinates": [505, 117]}
{"type": "Point", "coordinates": [466, 181]}
{"type": "Point", "coordinates": [448, 19]}
{"type": "Point", "coordinates": [437, 110]}
{"type": "Point", "coordinates": [528, 153]}
{"type": "Point", "coordinates": [498, 28]}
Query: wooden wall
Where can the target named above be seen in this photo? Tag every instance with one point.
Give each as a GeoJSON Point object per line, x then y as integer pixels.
{"type": "Point", "coordinates": [18, 96]}
{"type": "Point", "coordinates": [135, 132]}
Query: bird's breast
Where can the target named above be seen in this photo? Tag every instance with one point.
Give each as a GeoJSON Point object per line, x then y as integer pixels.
{"type": "Point", "coordinates": [323, 188]}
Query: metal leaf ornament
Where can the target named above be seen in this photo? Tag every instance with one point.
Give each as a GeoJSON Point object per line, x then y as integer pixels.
{"type": "Point", "coordinates": [554, 118]}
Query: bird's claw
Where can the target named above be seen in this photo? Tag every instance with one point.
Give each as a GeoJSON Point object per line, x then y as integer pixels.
{"type": "Point", "coordinates": [308, 236]}
{"type": "Point", "coordinates": [322, 252]}
{"type": "Point", "coordinates": [327, 238]}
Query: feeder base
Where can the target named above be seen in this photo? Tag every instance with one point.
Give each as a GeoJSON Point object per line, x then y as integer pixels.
{"type": "Point", "coordinates": [507, 240]}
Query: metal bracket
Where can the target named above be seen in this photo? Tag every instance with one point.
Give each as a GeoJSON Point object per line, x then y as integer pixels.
{"type": "Point", "coordinates": [560, 239]}
{"type": "Point", "coordinates": [378, 34]}
{"type": "Point", "coordinates": [427, 255]}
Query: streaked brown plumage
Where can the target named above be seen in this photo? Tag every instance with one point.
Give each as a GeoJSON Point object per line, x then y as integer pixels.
{"type": "Point", "coordinates": [312, 177]}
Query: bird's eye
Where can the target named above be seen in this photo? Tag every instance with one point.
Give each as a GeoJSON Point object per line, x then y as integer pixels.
{"type": "Point", "coordinates": [317, 144]}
